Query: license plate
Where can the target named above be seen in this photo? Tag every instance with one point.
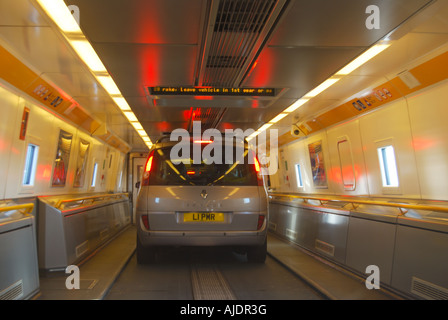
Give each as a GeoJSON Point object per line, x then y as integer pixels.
{"type": "Point", "coordinates": [203, 217]}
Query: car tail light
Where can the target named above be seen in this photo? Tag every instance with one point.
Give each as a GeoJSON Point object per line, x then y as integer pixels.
{"type": "Point", "coordinates": [148, 166]}
{"type": "Point", "coordinates": [257, 168]}
{"type": "Point", "coordinates": [145, 221]}
{"type": "Point", "coordinates": [260, 221]}
{"type": "Point", "coordinates": [256, 164]}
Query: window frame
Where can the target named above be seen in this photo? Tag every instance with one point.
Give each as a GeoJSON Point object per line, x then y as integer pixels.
{"type": "Point", "coordinates": [299, 175]}
{"type": "Point", "coordinates": [94, 175]}
{"type": "Point", "coordinates": [30, 189]}
{"type": "Point", "coordinates": [388, 189]}
{"type": "Point", "coordinates": [30, 165]}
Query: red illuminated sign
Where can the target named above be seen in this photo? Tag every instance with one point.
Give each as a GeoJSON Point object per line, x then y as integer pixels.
{"type": "Point", "coordinates": [212, 91]}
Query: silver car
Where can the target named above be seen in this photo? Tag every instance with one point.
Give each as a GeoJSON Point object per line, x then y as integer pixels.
{"type": "Point", "coordinates": [187, 202]}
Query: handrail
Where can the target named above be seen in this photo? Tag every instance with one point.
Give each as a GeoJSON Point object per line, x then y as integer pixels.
{"type": "Point", "coordinates": [82, 199]}
{"type": "Point", "coordinates": [28, 207]}
{"type": "Point", "coordinates": [370, 202]}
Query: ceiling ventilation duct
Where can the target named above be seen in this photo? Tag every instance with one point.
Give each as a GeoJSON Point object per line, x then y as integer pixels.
{"type": "Point", "coordinates": [236, 32]}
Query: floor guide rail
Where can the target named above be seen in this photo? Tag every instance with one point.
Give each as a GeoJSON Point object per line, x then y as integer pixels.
{"type": "Point", "coordinates": [208, 283]}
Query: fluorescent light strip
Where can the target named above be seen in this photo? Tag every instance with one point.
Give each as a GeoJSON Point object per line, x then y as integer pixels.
{"type": "Point", "coordinates": [137, 126]}
{"type": "Point", "coordinates": [366, 56]}
{"type": "Point", "coordinates": [142, 133]}
{"type": "Point", "coordinates": [131, 116]}
{"type": "Point", "coordinates": [278, 118]}
{"type": "Point", "coordinates": [122, 103]}
{"type": "Point", "coordinates": [296, 105]}
{"type": "Point", "coordinates": [88, 55]}
{"type": "Point", "coordinates": [58, 11]}
{"type": "Point", "coordinates": [264, 127]}
{"type": "Point", "coordinates": [322, 87]}
{"type": "Point", "coordinates": [363, 58]}
{"type": "Point", "coordinates": [61, 15]}
{"type": "Point", "coordinates": [253, 135]}
{"type": "Point", "coordinates": [109, 85]}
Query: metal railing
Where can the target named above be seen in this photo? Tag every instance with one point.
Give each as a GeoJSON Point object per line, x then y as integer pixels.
{"type": "Point", "coordinates": [27, 208]}
{"type": "Point", "coordinates": [91, 199]}
{"type": "Point", "coordinates": [403, 207]}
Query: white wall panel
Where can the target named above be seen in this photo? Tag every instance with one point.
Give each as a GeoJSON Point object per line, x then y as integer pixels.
{"type": "Point", "coordinates": [40, 133]}
{"type": "Point", "coordinates": [388, 125]}
{"type": "Point", "coordinates": [8, 111]}
{"type": "Point", "coordinates": [349, 131]}
{"type": "Point", "coordinates": [43, 130]}
{"type": "Point", "coordinates": [428, 111]}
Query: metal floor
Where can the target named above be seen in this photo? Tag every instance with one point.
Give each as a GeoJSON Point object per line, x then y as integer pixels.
{"type": "Point", "coordinates": [99, 273]}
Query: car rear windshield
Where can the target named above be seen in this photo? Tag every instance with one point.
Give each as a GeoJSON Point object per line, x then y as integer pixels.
{"type": "Point", "coordinates": [166, 171]}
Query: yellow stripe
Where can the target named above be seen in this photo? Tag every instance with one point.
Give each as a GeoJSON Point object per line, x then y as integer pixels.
{"type": "Point", "coordinates": [54, 99]}
{"type": "Point", "coordinates": [428, 73]}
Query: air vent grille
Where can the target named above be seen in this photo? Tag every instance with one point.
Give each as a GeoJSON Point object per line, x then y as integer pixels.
{"type": "Point", "coordinates": [13, 292]}
{"type": "Point", "coordinates": [428, 290]}
{"type": "Point", "coordinates": [239, 31]}
{"type": "Point", "coordinates": [82, 248]}
{"type": "Point", "coordinates": [247, 16]}
{"type": "Point", "coordinates": [272, 226]}
{"type": "Point", "coordinates": [224, 61]}
{"type": "Point", "coordinates": [324, 247]}
{"type": "Point", "coordinates": [291, 234]}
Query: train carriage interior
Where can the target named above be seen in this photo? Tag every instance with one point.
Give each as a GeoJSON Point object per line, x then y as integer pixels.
{"type": "Point", "coordinates": [344, 104]}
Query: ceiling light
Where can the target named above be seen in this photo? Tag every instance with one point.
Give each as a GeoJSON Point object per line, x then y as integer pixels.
{"type": "Point", "coordinates": [322, 87]}
{"type": "Point", "coordinates": [61, 15]}
{"type": "Point", "coordinates": [253, 135]}
{"type": "Point", "coordinates": [131, 116]}
{"type": "Point", "coordinates": [278, 118]}
{"type": "Point", "coordinates": [108, 83]}
{"type": "Point", "coordinates": [363, 58]}
{"type": "Point", "coordinates": [264, 127]}
{"type": "Point", "coordinates": [296, 105]}
{"type": "Point", "coordinates": [122, 104]}
{"type": "Point", "coordinates": [146, 139]}
{"type": "Point", "coordinates": [137, 125]}
{"type": "Point", "coordinates": [142, 133]}
{"type": "Point", "coordinates": [88, 55]}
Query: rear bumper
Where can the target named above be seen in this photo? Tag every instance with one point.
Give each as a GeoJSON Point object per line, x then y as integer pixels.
{"type": "Point", "coordinates": [202, 238]}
